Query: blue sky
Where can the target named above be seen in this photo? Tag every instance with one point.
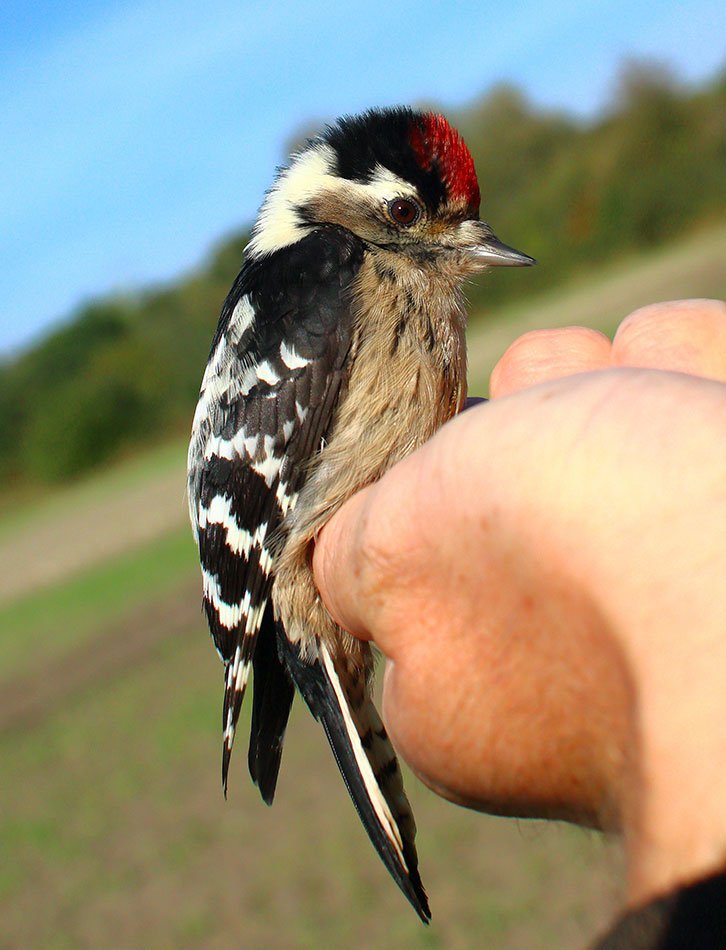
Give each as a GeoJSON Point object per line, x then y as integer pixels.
{"type": "Point", "coordinates": [136, 134]}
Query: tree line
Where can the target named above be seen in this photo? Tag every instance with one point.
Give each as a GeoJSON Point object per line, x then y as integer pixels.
{"type": "Point", "coordinates": [125, 371]}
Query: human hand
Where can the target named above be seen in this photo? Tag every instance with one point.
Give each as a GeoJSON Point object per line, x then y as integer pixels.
{"type": "Point", "coordinates": [545, 579]}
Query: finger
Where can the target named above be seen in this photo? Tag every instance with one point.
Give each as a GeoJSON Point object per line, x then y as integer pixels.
{"type": "Point", "coordinates": [542, 355]}
{"type": "Point", "coordinates": [337, 565]}
{"type": "Point", "coordinates": [685, 336]}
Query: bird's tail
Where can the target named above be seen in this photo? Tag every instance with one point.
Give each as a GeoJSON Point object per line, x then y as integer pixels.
{"type": "Point", "coordinates": [366, 761]}
{"type": "Point", "coordinates": [272, 699]}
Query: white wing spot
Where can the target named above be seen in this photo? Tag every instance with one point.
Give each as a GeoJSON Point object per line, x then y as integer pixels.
{"type": "Point", "coordinates": [229, 615]}
{"type": "Point", "coordinates": [268, 468]}
{"type": "Point", "coordinates": [242, 317]}
{"type": "Point", "coordinates": [222, 448]}
{"type": "Point", "coordinates": [286, 501]}
{"type": "Point", "coordinates": [238, 540]}
{"type": "Point", "coordinates": [267, 374]}
{"type": "Point", "coordinates": [249, 379]}
{"type": "Point", "coordinates": [265, 562]}
{"type": "Point", "coordinates": [291, 358]}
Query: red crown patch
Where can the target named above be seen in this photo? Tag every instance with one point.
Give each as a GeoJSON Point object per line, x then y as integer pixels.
{"type": "Point", "coordinates": [435, 141]}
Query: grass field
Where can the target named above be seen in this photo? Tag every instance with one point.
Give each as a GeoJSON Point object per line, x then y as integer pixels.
{"type": "Point", "coordinates": [113, 830]}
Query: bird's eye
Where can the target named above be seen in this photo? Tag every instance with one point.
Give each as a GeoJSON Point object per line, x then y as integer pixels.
{"type": "Point", "coordinates": [404, 211]}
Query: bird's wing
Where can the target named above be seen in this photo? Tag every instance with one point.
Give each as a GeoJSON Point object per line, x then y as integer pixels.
{"type": "Point", "coordinates": [275, 373]}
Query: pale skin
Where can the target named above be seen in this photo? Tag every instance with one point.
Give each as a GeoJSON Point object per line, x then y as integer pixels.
{"type": "Point", "coordinates": [545, 578]}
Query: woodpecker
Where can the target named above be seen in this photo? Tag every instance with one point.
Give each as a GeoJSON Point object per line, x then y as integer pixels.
{"type": "Point", "coordinates": [340, 349]}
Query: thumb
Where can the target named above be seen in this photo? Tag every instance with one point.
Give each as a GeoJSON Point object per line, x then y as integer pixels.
{"type": "Point", "coordinates": [338, 564]}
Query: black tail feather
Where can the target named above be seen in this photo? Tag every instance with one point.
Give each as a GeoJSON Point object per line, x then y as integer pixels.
{"type": "Point", "coordinates": [313, 680]}
{"type": "Point", "coordinates": [273, 692]}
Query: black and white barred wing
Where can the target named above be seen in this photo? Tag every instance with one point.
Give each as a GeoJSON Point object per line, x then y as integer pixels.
{"type": "Point", "coordinates": [277, 366]}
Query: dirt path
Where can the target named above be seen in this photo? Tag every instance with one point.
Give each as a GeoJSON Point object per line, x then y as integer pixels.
{"type": "Point", "coordinates": [128, 642]}
{"type": "Point", "coordinates": [90, 522]}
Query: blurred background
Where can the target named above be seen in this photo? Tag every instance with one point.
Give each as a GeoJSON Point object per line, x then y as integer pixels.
{"type": "Point", "coordinates": [138, 138]}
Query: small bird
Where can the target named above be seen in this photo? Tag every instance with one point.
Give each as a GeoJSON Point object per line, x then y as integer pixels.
{"type": "Point", "coordinates": [340, 349]}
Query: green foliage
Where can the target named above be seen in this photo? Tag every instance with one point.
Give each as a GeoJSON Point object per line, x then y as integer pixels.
{"type": "Point", "coordinates": [572, 194]}
{"type": "Point", "coordinates": [33, 387]}
{"type": "Point", "coordinates": [87, 421]}
{"type": "Point", "coordinates": [124, 371]}
{"type": "Point", "coordinates": [121, 373]}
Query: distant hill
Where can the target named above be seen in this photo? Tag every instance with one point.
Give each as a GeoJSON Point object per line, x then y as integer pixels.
{"type": "Point", "coordinates": [126, 370]}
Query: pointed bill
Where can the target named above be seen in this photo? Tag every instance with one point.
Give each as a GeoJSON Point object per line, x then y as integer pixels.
{"type": "Point", "coordinates": [483, 247]}
{"type": "Point", "coordinates": [496, 254]}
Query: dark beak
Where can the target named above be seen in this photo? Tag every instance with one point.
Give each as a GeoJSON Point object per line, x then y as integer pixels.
{"type": "Point", "coordinates": [490, 250]}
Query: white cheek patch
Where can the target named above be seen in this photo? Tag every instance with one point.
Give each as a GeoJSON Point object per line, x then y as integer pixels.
{"type": "Point", "coordinates": [278, 224]}
{"type": "Point", "coordinates": [312, 174]}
